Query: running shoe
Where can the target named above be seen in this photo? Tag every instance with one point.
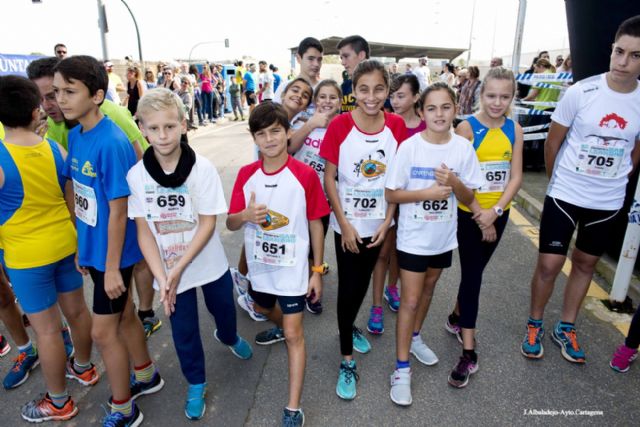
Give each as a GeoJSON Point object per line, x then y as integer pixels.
{"type": "Point", "coordinates": [622, 358]}
{"type": "Point", "coordinates": [392, 297]}
{"type": "Point", "coordinates": [240, 281]}
{"type": "Point", "coordinates": [19, 373]}
{"type": "Point", "coordinates": [347, 380]}
{"type": "Point", "coordinates": [375, 325]}
{"type": "Point", "coordinates": [195, 404]}
{"type": "Point", "coordinates": [422, 352]}
{"type": "Point", "coordinates": [313, 307]}
{"type": "Point", "coordinates": [150, 325]}
{"type": "Point", "coordinates": [5, 347]}
{"type": "Point", "coordinates": [459, 376]}
{"type": "Point", "coordinates": [69, 349]}
{"type": "Point", "coordinates": [401, 387]}
{"type": "Point", "coordinates": [292, 418]}
{"type": "Point", "coordinates": [246, 303]}
{"type": "Point", "coordinates": [270, 336]}
{"type": "Point", "coordinates": [241, 349]}
{"type": "Point", "coordinates": [565, 337]}
{"type": "Point", "coordinates": [139, 388]}
{"type": "Point", "coordinates": [88, 377]}
{"type": "Point", "coordinates": [360, 343]}
{"type": "Point", "coordinates": [118, 419]}
{"type": "Point", "coordinates": [43, 409]}
{"type": "Point", "coordinates": [452, 326]}
{"type": "Point", "coordinates": [532, 344]}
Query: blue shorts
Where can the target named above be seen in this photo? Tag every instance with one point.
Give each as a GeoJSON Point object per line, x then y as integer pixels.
{"type": "Point", "coordinates": [37, 288]}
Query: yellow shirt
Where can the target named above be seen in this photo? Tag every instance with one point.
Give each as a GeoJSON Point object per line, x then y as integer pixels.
{"type": "Point", "coordinates": [35, 226]}
{"type": "Point", "coordinates": [494, 148]}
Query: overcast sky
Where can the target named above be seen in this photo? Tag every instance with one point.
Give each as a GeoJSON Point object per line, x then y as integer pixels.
{"type": "Point", "coordinates": [265, 29]}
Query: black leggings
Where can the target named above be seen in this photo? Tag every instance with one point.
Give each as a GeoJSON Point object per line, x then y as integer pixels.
{"type": "Point", "coordinates": [474, 257]}
{"type": "Point", "coordinates": [354, 275]}
{"type": "Point", "coordinates": [633, 339]}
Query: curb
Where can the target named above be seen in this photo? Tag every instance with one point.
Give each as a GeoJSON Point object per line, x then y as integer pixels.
{"type": "Point", "coordinates": [606, 266]}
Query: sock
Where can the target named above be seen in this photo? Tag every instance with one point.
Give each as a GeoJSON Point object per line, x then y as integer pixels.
{"type": "Point", "coordinates": [125, 407]}
{"type": "Point", "coordinates": [350, 363]}
{"type": "Point", "coordinates": [566, 325]}
{"type": "Point", "coordinates": [81, 367]}
{"type": "Point", "coordinates": [416, 336]}
{"type": "Point", "coordinates": [535, 322]}
{"type": "Point", "coordinates": [392, 285]}
{"type": "Point", "coordinates": [454, 318]}
{"type": "Point", "coordinates": [146, 313]}
{"type": "Point", "coordinates": [59, 399]}
{"type": "Point", "coordinates": [402, 364]}
{"type": "Point", "coordinates": [28, 348]}
{"type": "Point", "coordinates": [291, 410]}
{"type": "Point", "coordinates": [144, 373]}
{"type": "Point", "coordinates": [472, 354]}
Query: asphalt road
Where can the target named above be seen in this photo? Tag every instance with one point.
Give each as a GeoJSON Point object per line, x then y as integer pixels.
{"type": "Point", "coordinates": [507, 390]}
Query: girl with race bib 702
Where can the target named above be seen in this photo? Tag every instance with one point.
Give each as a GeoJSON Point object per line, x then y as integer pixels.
{"type": "Point", "coordinates": [359, 146]}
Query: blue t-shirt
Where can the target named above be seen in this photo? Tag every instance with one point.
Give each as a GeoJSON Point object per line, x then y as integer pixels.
{"type": "Point", "coordinates": [276, 81]}
{"type": "Point", "coordinates": [251, 84]}
{"type": "Point", "coordinates": [97, 163]}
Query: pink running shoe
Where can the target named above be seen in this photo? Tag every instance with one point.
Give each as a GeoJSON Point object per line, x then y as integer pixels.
{"type": "Point", "coordinates": [622, 358]}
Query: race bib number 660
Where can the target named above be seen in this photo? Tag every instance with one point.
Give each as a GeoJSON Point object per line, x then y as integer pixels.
{"type": "Point", "coordinates": [86, 204]}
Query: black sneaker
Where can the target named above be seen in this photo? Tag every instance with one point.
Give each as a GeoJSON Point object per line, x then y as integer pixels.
{"type": "Point", "coordinates": [313, 307]}
{"type": "Point", "coordinates": [139, 388]}
{"type": "Point", "coordinates": [270, 336]}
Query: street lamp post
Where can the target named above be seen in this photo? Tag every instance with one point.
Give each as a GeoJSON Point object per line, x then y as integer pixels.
{"type": "Point", "coordinates": [225, 41]}
{"type": "Point", "coordinates": [135, 23]}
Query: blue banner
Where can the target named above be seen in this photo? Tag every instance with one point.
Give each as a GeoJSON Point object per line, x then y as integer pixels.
{"type": "Point", "coordinates": [15, 64]}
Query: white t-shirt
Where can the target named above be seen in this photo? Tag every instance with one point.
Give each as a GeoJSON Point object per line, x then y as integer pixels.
{"type": "Point", "coordinates": [309, 153]}
{"type": "Point", "coordinates": [424, 76]}
{"type": "Point", "coordinates": [278, 250]}
{"type": "Point", "coordinates": [172, 215]}
{"type": "Point", "coordinates": [594, 160]}
{"type": "Point", "coordinates": [267, 78]}
{"type": "Point", "coordinates": [429, 227]}
{"type": "Point", "coordinates": [362, 160]}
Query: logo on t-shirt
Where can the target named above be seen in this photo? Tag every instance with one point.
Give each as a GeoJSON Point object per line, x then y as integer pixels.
{"type": "Point", "coordinates": [371, 168]}
{"type": "Point", "coordinates": [613, 121]}
{"type": "Point", "coordinates": [87, 169]}
{"type": "Point", "coordinates": [274, 221]}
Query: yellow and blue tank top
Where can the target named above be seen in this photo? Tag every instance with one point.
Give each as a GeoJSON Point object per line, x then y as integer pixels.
{"type": "Point", "coordinates": [494, 147]}
{"type": "Point", "coordinates": [35, 227]}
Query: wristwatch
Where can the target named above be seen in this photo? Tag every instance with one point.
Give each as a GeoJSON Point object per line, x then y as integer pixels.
{"type": "Point", "coordinates": [498, 210]}
{"type": "Point", "coordinates": [322, 269]}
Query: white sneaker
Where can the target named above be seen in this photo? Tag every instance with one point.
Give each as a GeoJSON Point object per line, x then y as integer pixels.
{"type": "Point", "coordinates": [246, 303]}
{"type": "Point", "coordinates": [401, 387]}
{"type": "Point", "coordinates": [423, 353]}
{"type": "Point", "coordinates": [240, 281]}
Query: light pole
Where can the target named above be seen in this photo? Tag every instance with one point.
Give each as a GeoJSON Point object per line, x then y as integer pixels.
{"type": "Point", "coordinates": [473, 16]}
{"type": "Point", "coordinates": [225, 41]}
{"type": "Point", "coordinates": [135, 23]}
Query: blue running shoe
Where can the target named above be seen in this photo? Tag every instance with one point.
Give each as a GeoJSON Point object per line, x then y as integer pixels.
{"type": "Point", "coordinates": [360, 343]}
{"type": "Point", "coordinates": [139, 388]}
{"type": "Point", "coordinates": [392, 297]}
{"type": "Point", "coordinates": [19, 373]}
{"type": "Point", "coordinates": [241, 349]}
{"type": "Point", "coordinates": [532, 344]}
{"type": "Point", "coordinates": [118, 419]}
{"type": "Point", "coordinates": [375, 325]}
{"type": "Point", "coordinates": [69, 349]}
{"type": "Point", "coordinates": [347, 380]}
{"type": "Point", "coordinates": [292, 418]}
{"type": "Point", "coordinates": [195, 405]}
{"type": "Point", "coordinates": [565, 337]}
